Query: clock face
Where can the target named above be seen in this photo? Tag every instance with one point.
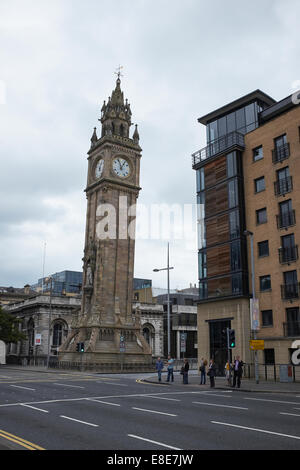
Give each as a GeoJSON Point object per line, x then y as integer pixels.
{"type": "Point", "coordinates": [99, 168]}
{"type": "Point", "coordinates": [121, 167]}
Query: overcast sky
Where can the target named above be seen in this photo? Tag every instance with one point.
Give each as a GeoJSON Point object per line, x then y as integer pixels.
{"type": "Point", "coordinates": [181, 59]}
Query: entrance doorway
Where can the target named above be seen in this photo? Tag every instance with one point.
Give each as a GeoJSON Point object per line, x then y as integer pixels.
{"type": "Point", "coordinates": [218, 344]}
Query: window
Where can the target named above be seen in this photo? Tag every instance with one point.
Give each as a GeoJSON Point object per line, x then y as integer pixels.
{"type": "Point", "coordinates": [200, 180]}
{"type": "Point", "coordinates": [280, 141]}
{"type": "Point", "coordinates": [235, 256]}
{"type": "Point", "coordinates": [233, 199]}
{"type": "Point", "coordinates": [231, 164]}
{"type": "Point", "coordinates": [265, 283]}
{"type": "Point", "coordinates": [259, 184]}
{"type": "Point", "coordinates": [261, 216]}
{"type": "Point", "coordinates": [286, 214]}
{"type": "Point", "coordinates": [263, 248]}
{"type": "Point", "coordinates": [267, 317]}
{"type": "Point", "coordinates": [258, 153]}
{"type": "Point", "coordinates": [269, 356]}
{"type": "Point", "coordinates": [234, 224]}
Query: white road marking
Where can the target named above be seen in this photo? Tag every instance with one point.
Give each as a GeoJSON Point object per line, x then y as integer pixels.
{"type": "Point", "coordinates": [153, 442]}
{"type": "Point", "coordinates": [34, 408]}
{"type": "Point", "coordinates": [273, 401]}
{"type": "Point", "coordinates": [104, 402]}
{"type": "Point", "coordinates": [289, 414]}
{"type": "Point", "coordinates": [153, 411]}
{"type": "Point", "coordinates": [222, 406]}
{"type": "Point", "coordinates": [67, 385]}
{"type": "Point", "coordinates": [257, 430]}
{"type": "Point", "coordinates": [78, 421]}
{"type": "Point", "coordinates": [25, 388]}
{"type": "Point", "coordinates": [217, 395]}
{"type": "Point", "coordinates": [162, 398]}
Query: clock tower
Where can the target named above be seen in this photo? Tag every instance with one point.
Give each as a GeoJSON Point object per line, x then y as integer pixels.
{"type": "Point", "coordinates": [106, 324]}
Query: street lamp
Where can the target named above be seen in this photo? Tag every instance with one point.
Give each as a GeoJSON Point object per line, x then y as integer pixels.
{"type": "Point", "coordinates": [250, 234]}
{"type": "Point", "coordinates": [167, 269]}
{"type": "Point", "coordinates": [49, 321]}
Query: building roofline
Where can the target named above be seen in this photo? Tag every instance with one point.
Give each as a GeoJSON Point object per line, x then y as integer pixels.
{"type": "Point", "coordinates": [257, 94]}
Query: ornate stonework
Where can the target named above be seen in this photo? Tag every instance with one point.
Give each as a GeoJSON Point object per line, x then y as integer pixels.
{"type": "Point", "coordinates": [106, 318]}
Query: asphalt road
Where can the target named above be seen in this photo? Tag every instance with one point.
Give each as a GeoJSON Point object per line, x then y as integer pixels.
{"type": "Point", "coordinates": [72, 411]}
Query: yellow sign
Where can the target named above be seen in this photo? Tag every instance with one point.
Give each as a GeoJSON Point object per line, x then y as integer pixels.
{"type": "Point", "coordinates": [257, 344]}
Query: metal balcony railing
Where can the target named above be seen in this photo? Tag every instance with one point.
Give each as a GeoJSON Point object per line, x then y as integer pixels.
{"type": "Point", "coordinates": [291, 328]}
{"type": "Point", "coordinates": [221, 145]}
{"type": "Point", "coordinates": [281, 153]}
{"type": "Point", "coordinates": [286, 220]}
{"type": "Point", "coordinates": [289, 254]}
{"type": "Point", "coordinates": [283, 186]}
{"type": "Point", "coordinates": [290, 291]}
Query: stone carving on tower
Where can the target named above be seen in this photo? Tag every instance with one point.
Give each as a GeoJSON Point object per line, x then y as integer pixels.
{"type": "Point", "coordinates": [113, 185]}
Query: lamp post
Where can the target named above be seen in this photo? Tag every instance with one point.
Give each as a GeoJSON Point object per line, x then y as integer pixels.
{"type": "Point", "coordinates": [250, 234]}
{"type": "Point", "coordinates": [49, 322]}
{"type": "Point", "coordinates": [168, 282]}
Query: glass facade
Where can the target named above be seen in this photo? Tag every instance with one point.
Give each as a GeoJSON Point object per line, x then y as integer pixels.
{"type": "Point", "coordinates": [242, 120]}
{"type": "Point", "coordinates": [222, 260]}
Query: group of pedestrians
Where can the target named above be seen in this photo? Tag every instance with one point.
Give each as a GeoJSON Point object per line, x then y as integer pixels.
{"type": "Point", "coordinates": [235, 370]}
{"type": "Point", "coordinates": [170, 369]}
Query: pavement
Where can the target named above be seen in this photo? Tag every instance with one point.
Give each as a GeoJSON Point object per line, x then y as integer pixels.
{"type": "Point", "coordinates": [247, 385]}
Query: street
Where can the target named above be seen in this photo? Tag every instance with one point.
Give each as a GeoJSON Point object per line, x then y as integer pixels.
{"type": "Point", "coordinates": [80, 411]}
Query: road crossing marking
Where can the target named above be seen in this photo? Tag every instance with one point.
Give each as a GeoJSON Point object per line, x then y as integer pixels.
{"type": "Point", "coordinates": [154, 442]}
{"type": "Point", "coordinates": [257, 430]}
{"type": "Point", "coordinates": [68, 385]}
{"type": "Point", "coordinates": [289, 414]}
{"type": "Point", "coordinates": [162, 398]}
{"type": "Point", "coordinates": [274, 401]}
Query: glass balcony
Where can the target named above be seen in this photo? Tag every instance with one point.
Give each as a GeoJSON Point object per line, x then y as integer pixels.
{"type": "Point", "coordinates": [224, 144]}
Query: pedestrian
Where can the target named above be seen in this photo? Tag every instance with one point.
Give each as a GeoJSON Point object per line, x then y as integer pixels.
{"type": "Point", "coordinates": [159, 367]}
{"type": "Point", "coordinates": [185, 370]}
{"type": "Point", "coordinates": [237, 372]}
{"type": "Point", "coordinates": [212, 373]}
{"type": "Point", "coordinates": [170, 365]}
{"type": "Point", "coordinates": [202, 369]}
{"type": "Point", "coordinates": [227, 372]}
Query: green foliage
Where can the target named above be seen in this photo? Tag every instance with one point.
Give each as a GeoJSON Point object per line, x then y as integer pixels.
{"type": "Point", "coordinates": [9, 328]}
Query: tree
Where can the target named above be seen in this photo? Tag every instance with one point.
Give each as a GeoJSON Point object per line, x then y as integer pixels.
{"type": "Point", "coordinates": [9, 328]}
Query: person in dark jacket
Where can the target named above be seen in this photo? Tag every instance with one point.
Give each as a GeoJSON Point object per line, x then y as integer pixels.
{"type": "Point", "coordinates": [212, 372]}
{"type": "Point", "coordinates": [185, 370]}
{"type": "Point", "coordinates": [237, 372]}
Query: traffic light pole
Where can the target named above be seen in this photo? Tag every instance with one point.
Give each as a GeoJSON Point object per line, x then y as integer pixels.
{"type": "Point", "coordinates": [228, 354]}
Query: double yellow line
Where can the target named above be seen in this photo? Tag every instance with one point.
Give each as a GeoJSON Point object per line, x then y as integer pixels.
{"type": "Point", "coordinates": [18, 440]}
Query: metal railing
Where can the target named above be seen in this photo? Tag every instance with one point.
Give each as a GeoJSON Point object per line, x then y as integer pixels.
{"type": "Point", "coordinates": [291, 328]}
{"type": "Point", "coordinates": [281, 153]}
{"type": "Point", "coordinates": [289, 254]}
{"type": "Point", "coordinates": [283, 186]}
{"type": "Point", "coordinates": [221, 145]}
{"type": "Point", "coordinates": [286, 220]}
{"type": "Point", "coordinates": [290, 291]}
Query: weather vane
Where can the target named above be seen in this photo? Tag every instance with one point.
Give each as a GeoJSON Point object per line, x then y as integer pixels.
{"type": "Point", "coordinates": [118, 72]}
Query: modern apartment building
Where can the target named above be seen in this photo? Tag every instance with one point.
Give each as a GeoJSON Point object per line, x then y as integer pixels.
{"type": "Point", "coordinates": [248, 181]}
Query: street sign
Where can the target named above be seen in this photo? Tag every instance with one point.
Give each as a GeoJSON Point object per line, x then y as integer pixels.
{"type": "Point", "coordinates": [38, 339]}
{"type": "Point", "coordinates": [257, 344]}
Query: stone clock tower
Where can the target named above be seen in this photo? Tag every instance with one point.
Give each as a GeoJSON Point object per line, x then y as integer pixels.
{"type": "Point", "coordinates": [106, 324]}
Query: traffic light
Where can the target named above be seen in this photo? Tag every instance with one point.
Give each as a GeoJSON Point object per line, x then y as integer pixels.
{"type": "Point", "coordinates": [231, 338]}
{"type": "Point", "coordinates": [224, 339]}
{"type": "Point", "coordinates": [80, 347]}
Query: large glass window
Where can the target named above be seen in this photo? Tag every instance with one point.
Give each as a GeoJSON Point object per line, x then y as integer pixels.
{"type": "Point", "coordinates": [234, 224]}
{"type": "Point", "coordinates": [233, 198]}
{"type": "Point", "coordinates": [240, 120]}
{"type": "Point", "coordinates": [202, 265]}
{"type": "Point", "coordinates": [231, 164]}
{"type": "Point", "coordinates": [222, 126]}
{"type": "Point", "coordinates": [213, 130]}
{"type": "Point", "coordinates": [235, 256]}
{"type": "Point", "coordinates": [231, 126]}
{"type": "Point", "coordinates": [200, 179]}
